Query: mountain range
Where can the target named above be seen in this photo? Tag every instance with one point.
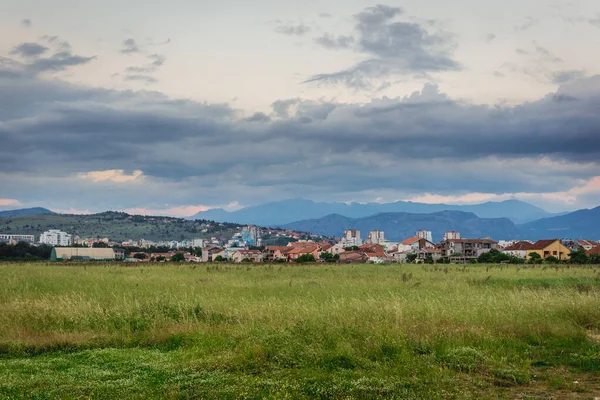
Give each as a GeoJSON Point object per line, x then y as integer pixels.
{"type": "Point", "coordinates": [287, 211]}
{"type": "Point", "coordinates": [25, 211]}
{"type": "Point", "coordinates": [582, 224]}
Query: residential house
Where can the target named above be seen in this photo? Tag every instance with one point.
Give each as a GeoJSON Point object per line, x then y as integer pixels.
{"type": "Point", "coordinates": [414, 244]}
{"type": "Point", "coordinates": [353, 257]}
{"type": "Point", "coordinates": [426, 252]}
{"type": "Point", "coordinates": [273, 253]}
{"type": "Point", "coordinates": [466, 248]}
{"type": "Point", "coordinates": [208, 252]}
{"type": "Point", "coordinates": [306, 249]}
{"type": "Point", "coordinates": [587, 245]}
{"type": "Point", "coordinates": [547, 248]}
{"type": "Point", "coordinates": [594, 251]}
{"type": "Point", "coordinates": [518, 249]}
{"type": "Point", "coordinates": [253, 255]}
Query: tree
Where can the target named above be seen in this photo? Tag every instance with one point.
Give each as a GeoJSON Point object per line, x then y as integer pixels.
{"type": "Point", "coordinates": [160, 258]}
{"type": "Point", "coordinates": [100, 245]}
{"type": "Point", "coordinates": [578, 257]}
{"type": "Point", "coordinates": [305, 258]}
{"type": "Point", "coordinates": [219, 258]}
{"type": "Point", "coordinates": [411, 258]}
{"type": "Point", "coordinates": [140, 256]}
{"type": "Point", "coordinates": [328, 257]}
{"type": "Point", "coordinates": [198, 252]}
{"type": "Point", "coordinates": [178, 257]}
{"type": "Point", "coordinates": [352, 248]}
{"type": "Point", "coordinates": [551, 260]}
{"type": "Point", "coordinates": [535, 258]}
{"type": "Point", "coordinates": [429, 259]}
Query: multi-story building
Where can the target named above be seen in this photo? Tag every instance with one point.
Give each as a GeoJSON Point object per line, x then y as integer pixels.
{"type": "Point", "coordinates": [16, 238]}
{"type": "Point", "coordinates": [423, 234]}
{"type": "Point", "coordinates": [351, 238]}
{"type": "Point", "coordinates": [466, 248]}
{"type": "Point", "coordinates": [198, 243]}
{"type": "Point", "coordinates": [452, 235]}
{"type": "Point", "coordinates": [376, 237]}
{"type": "Point", "coordinates": [55, 237]}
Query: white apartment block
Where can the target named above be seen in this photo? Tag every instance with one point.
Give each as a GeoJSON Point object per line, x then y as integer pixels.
{"type": "Point", "coordinates": [376, 237]}
{"type": "Point", "coordinates": [423, 234]}
{"type": "Point", "coordinates": [452, 235]}
{"type": "Point", "coordinates": [16, 238]}
{"type": "Point", "coordinates": [55, 237]}
{"type": "Point", "coordinates": [351, 238]}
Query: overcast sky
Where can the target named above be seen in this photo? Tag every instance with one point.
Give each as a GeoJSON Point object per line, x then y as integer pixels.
{"type": "Point", "coordinates": [174, 107]}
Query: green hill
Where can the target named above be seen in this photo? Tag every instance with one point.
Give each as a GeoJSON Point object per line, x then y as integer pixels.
{"type": "Point", "coordinates": [117, 226]}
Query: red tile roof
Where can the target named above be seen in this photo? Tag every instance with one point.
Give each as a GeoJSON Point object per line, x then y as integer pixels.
{"type": "Point", "coordinates": [519, 246]}
{"type": "Point", "coordinates": [593, 252]}
{"type": "Point", "coordinates": [472, 241]}
{"type": "Point", "coordinates": [542, 244]}
{"type": "Point", "coordinates": [410, 241]}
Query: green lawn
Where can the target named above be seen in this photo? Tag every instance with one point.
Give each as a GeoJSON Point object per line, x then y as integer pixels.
{"type": "Point", "coordinates": [293, 331]}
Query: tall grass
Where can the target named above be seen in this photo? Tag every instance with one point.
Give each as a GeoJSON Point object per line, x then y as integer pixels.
{"type": "Point", "coordinates": [300, 331]}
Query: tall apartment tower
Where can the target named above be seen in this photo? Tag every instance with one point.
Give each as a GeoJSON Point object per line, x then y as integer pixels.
{"type": "Point", "coordinates": [376, 237]}
{"type": "Point", "coordinates": [352, 238]}
{"type": "Point", "coordinates": [423, 234]}
{"type": "Point", "coordinates": [451, 235]}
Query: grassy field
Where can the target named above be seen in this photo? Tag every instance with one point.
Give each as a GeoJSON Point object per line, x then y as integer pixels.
{"type": "Point", "coordinates": [292, 331]}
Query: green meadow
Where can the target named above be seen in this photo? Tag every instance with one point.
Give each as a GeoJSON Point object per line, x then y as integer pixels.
{"type": "Point", "coordinates": [299, 331]}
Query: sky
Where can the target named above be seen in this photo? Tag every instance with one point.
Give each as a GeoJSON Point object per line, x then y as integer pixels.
{"type": "Point", "coordinates": [170, 108]}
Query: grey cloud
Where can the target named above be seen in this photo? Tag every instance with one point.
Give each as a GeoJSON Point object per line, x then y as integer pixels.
{"type": "Point", "coordinates": [60, 45]}
{"type": "Point", "coordinates": [393, 47]}
{"type": "Point", "coordinates": [528, 24]}
{"type": "Point", "coordinates": [335, 42]}
{"type": "Point", "coordinates": [339, 148]}
{"type": "Point", "coordinates": [562, 77]}
{"type": "Point", "coordinates": [29, 50]}
{"type": "Point", "coordinates": [546, 54]}
{"type": "Point", "coordinates": [156, 61]}
{"type": "Point", "coordinates": [141, 78]}
{"type": "Point", "coordinates": [57, 62]}
{"type": "Point", "coordinates": [490, 37]}
{"type": "Point", "coordinates": [325, 15]}
{"type": "Point", "coordinates": [130, 47]}
{"type": "Point", "coordinates": [595, 21]}
{"type": "Point", "coordinates": [258, 117]}
{"type": "Point", "coordinates": [26, 23]}
{"type": "Point", "coordinates": [290, 29]}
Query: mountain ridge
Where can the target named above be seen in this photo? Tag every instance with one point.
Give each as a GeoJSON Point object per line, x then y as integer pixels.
{"type": "Point", "coordinates": [288, 211]}
{"type": "Point", "coordinates": [25, 211]}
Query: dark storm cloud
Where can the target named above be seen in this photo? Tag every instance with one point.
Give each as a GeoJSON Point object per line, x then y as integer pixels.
{"type": "Point", "coordinates": [130, 47]}
{"type": "Point", "coordinates": [392, 47]}
{"type": "Point", "coordinates": [424, 141]}
{"type": "Point", "coordinates": [26, 23]}
{"type": "Point", "coordinates": [291, 29]}
{"type": "Point", "coordinates": [29, 50]}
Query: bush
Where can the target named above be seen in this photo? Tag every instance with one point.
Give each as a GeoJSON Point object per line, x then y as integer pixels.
{"type": "Point", "coordinates": [305, 258]}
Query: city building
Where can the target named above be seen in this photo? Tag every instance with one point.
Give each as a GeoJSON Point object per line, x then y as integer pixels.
{"type": "Point", "coordinates": [55, 237]}
{"type": "Point", "coordinates": [85, 254]}
{"type": "Point", "coordinates": [466, 248]}
{"type": "Point", "coordinates": [351, 238]}
{"type": "Point", "coordinates": [452, 235]}
{"type": "Point", "coordinates": [376, 237]}
{"type": "Point", "coordinates": [251, 236]}
{"type": "Point", "coordinates": [245, 255]}
{"type": "Point", "coordinates": [13, 239]}
{"type": "Point", "coordinates": [198, 243]}
{"type": "Point", "coordinates": [423, 234]}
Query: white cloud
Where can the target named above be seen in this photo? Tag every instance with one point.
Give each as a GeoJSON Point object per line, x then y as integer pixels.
{"type": "Point", "coordinates": [112, 175]}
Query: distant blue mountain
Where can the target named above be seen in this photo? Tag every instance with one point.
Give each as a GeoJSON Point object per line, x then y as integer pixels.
{"type": "Point", "coordinates": [25, 211]}
{"type": "Point", "coordinates": [581, 224]}
{"type": "Point", "coordinates": [287, 211]}
{"type": "Point", "coordinates": [399, 226]}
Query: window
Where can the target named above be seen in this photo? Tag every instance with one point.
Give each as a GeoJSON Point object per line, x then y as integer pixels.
{"type": "Point", "coordinates": [554, 253]}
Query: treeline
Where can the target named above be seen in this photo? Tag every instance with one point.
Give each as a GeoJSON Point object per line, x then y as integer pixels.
{"type": "Point", "coordinates": [24, 251]}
